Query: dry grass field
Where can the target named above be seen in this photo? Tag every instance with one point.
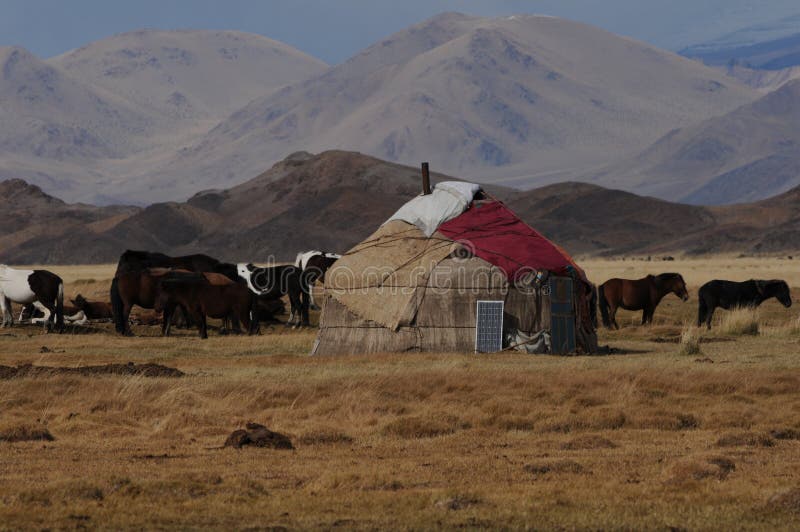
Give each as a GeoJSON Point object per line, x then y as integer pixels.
{"type": "Point", "coordinates": [703, 434]}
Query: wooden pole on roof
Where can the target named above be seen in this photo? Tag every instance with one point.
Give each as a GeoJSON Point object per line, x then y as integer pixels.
{"type": "Point", "coordinates": [426, 179]}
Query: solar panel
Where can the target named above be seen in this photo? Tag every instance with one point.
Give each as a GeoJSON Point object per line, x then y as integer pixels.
{"type": "Point", "coordinates": [489, 327]}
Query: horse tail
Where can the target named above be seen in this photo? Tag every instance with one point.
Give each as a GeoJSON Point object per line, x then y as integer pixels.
{"type": "Point", "coordinates": [593, 306]}
{"type": "Point", "coordinates": [604, 308]}
{"type": "Point", "coordinates": [117, 307]}
{"type": "Point", "coordinates": [60, 306]}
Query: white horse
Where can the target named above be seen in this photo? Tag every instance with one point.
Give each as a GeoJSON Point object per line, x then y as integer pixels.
{"type": "Point", "coordinates": [45, 290]}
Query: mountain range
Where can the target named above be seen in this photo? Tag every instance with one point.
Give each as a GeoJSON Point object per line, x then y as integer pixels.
{"type": "Point", "coordinates": [522, 101]}
{"type": "Point", "coordinates": [748, 154]}
{"type": "Point", "coordinates": [771, 46]}
{"type": "Point", "coordinates": [335, 199]}
{"type": "Point", "coordinates": [79, 123]}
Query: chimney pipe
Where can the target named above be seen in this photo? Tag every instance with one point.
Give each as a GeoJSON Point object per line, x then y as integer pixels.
{"type": "Point", "coordinates": [426, 179]}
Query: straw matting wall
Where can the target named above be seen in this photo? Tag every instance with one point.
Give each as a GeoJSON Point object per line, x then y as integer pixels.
{"type": "Point", "coordinates": [445, 318]}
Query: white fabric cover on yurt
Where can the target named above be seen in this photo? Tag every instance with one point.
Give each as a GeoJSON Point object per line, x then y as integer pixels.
{"type": "Point", "coordinates": [447, 200]}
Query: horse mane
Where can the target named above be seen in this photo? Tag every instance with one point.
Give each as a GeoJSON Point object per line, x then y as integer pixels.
{"type": "Point", "coordinates": [668, 276]}
{"type": "Point", "coordinates": [775, 284]}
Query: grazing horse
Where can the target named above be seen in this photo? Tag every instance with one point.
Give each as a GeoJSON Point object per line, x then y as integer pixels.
{"type": "Point", "coordinates": [169, 304]}
{"type": "Point", "coordinates": [314, 264]}
{"type": "Point", "coordinates": [205, 297]}
{"type": "Point", "coordinates": [642, 294]}
{"type": "Point", "coordinates": [44, 289]}
{"type": "Point", "coordinates": [132, 261]}
{"type": "Point", "coordinates": [142, 288]}
{"type": "Point", "coordinates": [274, 282]}
{"type": "Point", "coordinates": [730, 294]}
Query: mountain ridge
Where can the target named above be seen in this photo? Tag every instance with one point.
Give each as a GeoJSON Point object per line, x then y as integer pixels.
{"type": "Point", "coordinates": [745, 155]}
{"type": "Point", "coordinates": [334, 199]}
{"type": "Point", "coordinates": [78, 130]}
{"type": "Point", "coordinates": [489, 99]}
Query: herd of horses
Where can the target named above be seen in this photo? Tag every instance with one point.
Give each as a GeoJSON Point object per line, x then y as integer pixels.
{"type": "Point", "coordinates": [200, 286]}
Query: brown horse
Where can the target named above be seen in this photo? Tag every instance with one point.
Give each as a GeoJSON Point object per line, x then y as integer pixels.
{"type": "Point", "coordinates": [168, 304]}
{"type": "Point", "coordinates": [142, 288]}
{"type": "Point", "coordinates": [203, 298]}
{"type": "Point", "coordinates": [132, 261]}
{"type": "Point", "coordinates": [641, 294]}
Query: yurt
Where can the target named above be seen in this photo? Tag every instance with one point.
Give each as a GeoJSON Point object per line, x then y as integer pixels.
{"type": "Point", "coordinates": [455, 270]}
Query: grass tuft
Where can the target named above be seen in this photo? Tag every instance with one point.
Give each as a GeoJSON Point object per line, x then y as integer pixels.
{"type": "Point", "coordinates": [786, 500]}
{"type": "Point", "coordinates": [744, 321]}
{"type": "Point", "coordinates": [745, 439]}
{"type": "Point", "coordinates": [694, 470]}
{"type": "Point", "coordinates": [325, 437]}
{"type": "Point", "coordinates": [690, 341]}
{"type": "Point", "coordinates": [414, 427]}
{"type": "Point", "coordinates": [588, 442]}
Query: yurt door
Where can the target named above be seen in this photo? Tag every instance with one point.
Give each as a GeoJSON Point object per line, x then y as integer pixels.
{"type": "Point", "coordinates": [562, 316]}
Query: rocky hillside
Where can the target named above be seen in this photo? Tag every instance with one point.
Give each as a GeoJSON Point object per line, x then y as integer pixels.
{"type": "Point", "coordinates": [41, 229]}
{"type": "Point", "coordinates": [334, 199]}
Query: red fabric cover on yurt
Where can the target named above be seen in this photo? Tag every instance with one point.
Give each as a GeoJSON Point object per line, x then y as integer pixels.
{"type": "Point", "coordinates": [499, 237]}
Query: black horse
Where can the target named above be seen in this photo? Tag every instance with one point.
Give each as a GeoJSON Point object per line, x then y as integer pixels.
{"type": "Point", "coordinates": [133, 261]}
{"type": "Point", "coordinates": [730, 294]}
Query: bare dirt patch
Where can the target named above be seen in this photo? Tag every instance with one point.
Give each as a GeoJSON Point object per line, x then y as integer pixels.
{"type": "Point", "coordinates": [555, 467]}
{"type": "Point", "coordinates": [25, 433]}
{"type": "Point", "coordinates": [144, 370]}
{"type": "Point", "coordinates": [458, 502]}
{"type": "Point", "coordinates": [258, 435]}
{"type": "Point", "coordinates": [785, 434]}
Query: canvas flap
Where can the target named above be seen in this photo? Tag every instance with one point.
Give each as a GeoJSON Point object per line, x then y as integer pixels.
{"type": "Point", "coordinates": [383, 278]}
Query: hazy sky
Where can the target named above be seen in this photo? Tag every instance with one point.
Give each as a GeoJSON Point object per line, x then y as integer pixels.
{"type": "Point", "coordinates": [333, 30]}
